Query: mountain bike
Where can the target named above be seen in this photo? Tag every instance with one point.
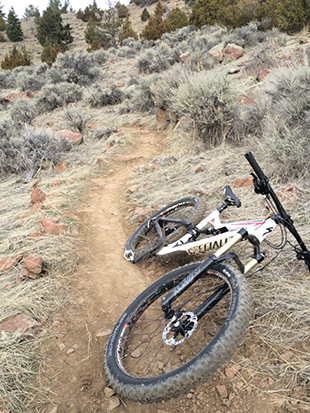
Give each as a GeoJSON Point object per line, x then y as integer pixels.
{"type": "Point", "coordinates": [179, 331]}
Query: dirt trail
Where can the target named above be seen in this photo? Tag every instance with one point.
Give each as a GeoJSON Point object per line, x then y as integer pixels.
{"type": "Point", "coordinates": [104, 285]}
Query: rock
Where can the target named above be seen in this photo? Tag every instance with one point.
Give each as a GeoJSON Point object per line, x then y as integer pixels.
{"type": "Point", "coordinates": [185, 56]}
{"type": "Point", "coordinates": [73, 137]}
{"type": "Point", "coordinates": [109, 392]}
{"type": "Point", "coordinates": [57, 182]}
{"type": "Point", "coordinates": [222, 391]}
{"type": "Point", "coordinates": [14, 327]}
{"type": "Point", "coordinates": [263, 74]}
{"type": "Point", "coordinates": [114, 402]}
{"type": "Point", "coordinates": [8, 263]}
{"type": "Point", "coordinates": [61, 167]}
{"type": "Point", "coordinates": [288, 195]}
{"type": "Point", "coordinates": [34, 184]}
{"type": "Point", "coordinates": [136, 353]}
{"type": "Point", "coordinates": [24, 214]}
{"type": "Point", "coordinates": [36, 234]}
{"type": "Point", "coordinates": [38, 206]}
{"type": "Point", "coordinates": [103, 333]}
{"type": "Point", "coordinates": [243, 182]}
{"type": "Point", "coordinates": [217, 53]}
{"type": "Point", "coordinates": [233, 51]}
{"type": "Point", "coordinates": [199, 169]}
{"type": "Point", "coordinates": [37, 195]}
{"type": "Point", "coordinates": [53, 227]}
{"type": "Point", "coordinates": [26, 273]}
{"type": "Point", "coordinates": [33, 263]}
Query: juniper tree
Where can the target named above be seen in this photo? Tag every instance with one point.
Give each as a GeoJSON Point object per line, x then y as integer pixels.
{"type": "Point", "coordinates": [13, 27]}
{"type": "Point", "coordinates": [156, 25]}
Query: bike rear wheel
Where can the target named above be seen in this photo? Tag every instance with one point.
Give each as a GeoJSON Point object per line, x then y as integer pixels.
{"type": "Point", "coordinates": [145, 238]}
{"type": "Point", "coordinates": [142, 365]}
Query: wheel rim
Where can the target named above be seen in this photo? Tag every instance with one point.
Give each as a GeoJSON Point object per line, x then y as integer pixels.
{"type": "Point", "coordinates": [142, 351]}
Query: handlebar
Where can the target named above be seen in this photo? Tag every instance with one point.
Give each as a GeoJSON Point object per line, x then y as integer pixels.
{"type": "Point", "coordinates": [257, 169]}
{"type": "Point", "coordinates": [263, 187]}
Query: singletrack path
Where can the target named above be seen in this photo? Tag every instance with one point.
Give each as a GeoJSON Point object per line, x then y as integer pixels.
{"type": "Point", "coordinates": [104, 284]}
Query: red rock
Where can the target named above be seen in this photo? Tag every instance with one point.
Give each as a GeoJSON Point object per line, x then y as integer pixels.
{"type": "Point", "coordinates": [222, 391]}
{"type": "Point", "coordinates": [24, 214]}
{"type": "Point", "coordinates": [8, 263]}
{"type": "Point", "coordinates": [73, 137]}
{"type": "Point", "coordinates": [36, 234]}
{"type": "Point", "coordinates": [243, 182]}
{"type": "Point", "coordinates": [26, 273]}
{"type": "Point", "coordinates": [263, 74]}
{"type": "Point", "coordinates": [199, 169]}
{"type": "Point", "coordinates": [34, 183]}
{"type": "Point", "coordinates": [52, 227]}
{"type": "Point", "coordinates": [38, 206]}
{"type": "Point", "coordinates": [233, 51]}
{"type": "Point", "coordinates": [288, 194]}
{"type": "Point", "coordinates": [37, 195]}
{"type": "Point", "coordinates": [217, 53]}
{"type": "Point", "coordinates": [57, 182]}
{"type": "Point", "coordinates": [61, 167]}
{"type": "Point", "coordinates": [245, 100]}
{"type": "Point", "coordinates": [18, 325]}
{"type": "Point", "coordinates": [33, 263]}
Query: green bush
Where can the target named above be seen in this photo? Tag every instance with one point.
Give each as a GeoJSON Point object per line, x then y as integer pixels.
{"type": "Point", "coordinates": [53, 96]}
{"type": "Point", "coordinates": [16, 58]}
{"type": "Point", "coordinates": [50, 52]}
{"type": "Point", "coordinates": [75, 119]}
{"type": "Point", "coordinates": [286, 124]}
{"type": "Point", "coordinates": [77, 67]}
{"type": "Point", "coordinates": [157, 59]}
{"type": "Point", "coordinates": [210, 101]}
{"type": "Point", "coordinates": [177, 19]}
{"type": "Point", "coordinates": [23, 111]}
{"type": "Point", "coordinates": [98, 97]}
{"type": "Point", "coordinates": [156, 25]}
{"type": "Point", "coordinates": [29, 150]}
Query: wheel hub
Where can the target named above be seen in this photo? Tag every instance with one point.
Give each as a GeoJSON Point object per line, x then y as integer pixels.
{"type": "Point", "coordinates": [184, 325]}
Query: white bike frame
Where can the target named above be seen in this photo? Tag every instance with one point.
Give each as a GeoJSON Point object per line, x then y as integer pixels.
{"type": "Point", "coordinates": [254, 227]}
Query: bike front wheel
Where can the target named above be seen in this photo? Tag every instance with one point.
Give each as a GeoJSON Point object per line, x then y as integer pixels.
{"type": "Point", "coordinates": [145, 238]}
{"type": "Point", "coordinates": [144, 363]}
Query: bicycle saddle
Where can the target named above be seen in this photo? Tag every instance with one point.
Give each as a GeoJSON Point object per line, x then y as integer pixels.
{"type": "Point", "coordinates": [230, 197]}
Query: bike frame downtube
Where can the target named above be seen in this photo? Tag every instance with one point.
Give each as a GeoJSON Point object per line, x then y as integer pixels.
{"type": "Point", "coordinates": [192, 277]}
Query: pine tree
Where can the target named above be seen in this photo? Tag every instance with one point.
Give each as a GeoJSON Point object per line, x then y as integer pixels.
{"type": "Point", "coordinates": [49, 27]}
{"type": "Point", "coordinates": [156, 26]}
{"type": "Point", "coordinates": [16, 58]}
{"type": "Point", "coordinates": [145, 15]}
{"type": "Point", "coordinates": [13, 27]}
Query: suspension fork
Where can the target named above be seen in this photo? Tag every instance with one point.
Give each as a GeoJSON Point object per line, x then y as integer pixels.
{"type": "Point", "coordinates": [198, 272]}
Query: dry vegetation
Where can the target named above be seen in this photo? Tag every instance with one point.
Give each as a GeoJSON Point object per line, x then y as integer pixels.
{"type": "Point", "coordinates": [128, 86]}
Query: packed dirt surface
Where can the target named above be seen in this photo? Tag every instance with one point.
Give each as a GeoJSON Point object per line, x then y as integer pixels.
{"type": "Point", "coordinates": [103, 285]}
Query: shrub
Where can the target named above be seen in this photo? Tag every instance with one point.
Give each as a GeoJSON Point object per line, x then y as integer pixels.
{"type": "Point", "coordinates": [157, 59]}
{"type": "Point", "coordinates": [54, 96]}
{"type": "Point", "coordinates": [140, 96]}
{"type": "Point", "coordinates": [286, 126]}
{"type": "Point", "coordinates": [50, 52]}
{"type": "Point", "coordinates": [7, 79]}
{"type": "Point", "coordinates": [87, 15]}
{"type": "Point", "coordinates": [16, 58]}
{"type": "Point", "coordinates": [104, 132]}
{"type": "Point", "coordinates": [98, 97]}
{"type": "Point", "coordinates": [75, 119]}
{"type": "Point", "coordinates": [2, 24]}
{"type": "Point", "coordinates": [74, 67]}
{"type": "Point", "coordinates": [177, 19]}
{"type": "Point", "coordinates": [32, 78]}
{"type": "Point", "coordinates": [209, 100]}
{"type": "Point", "coordinates": [130, 48]}
{"type": "Point", "coordinates": [31, 11]}
{"type": "Point", "coordinates": [33, 148]}
{"type": "Point", "coordinates": [22, 111]}
{"type": "Point", "coordinates": [99, 57]}
{"type": "Point", "coordinates": [122, 10]}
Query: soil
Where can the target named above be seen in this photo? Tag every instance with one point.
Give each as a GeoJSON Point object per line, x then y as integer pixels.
{"type": "Point", "coordinates": [103, 285]}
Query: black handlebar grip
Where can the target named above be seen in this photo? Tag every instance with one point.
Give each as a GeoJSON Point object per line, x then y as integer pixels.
{"type": "Point", "coordinates": [257, 169]}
